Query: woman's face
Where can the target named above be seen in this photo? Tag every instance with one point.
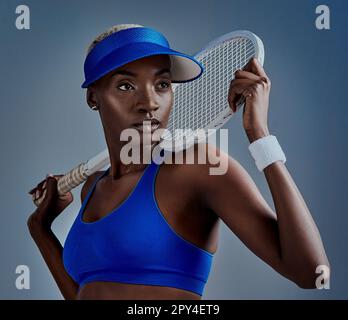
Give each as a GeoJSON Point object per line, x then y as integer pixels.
{"type": "Point", "coordinates": [132, 93]}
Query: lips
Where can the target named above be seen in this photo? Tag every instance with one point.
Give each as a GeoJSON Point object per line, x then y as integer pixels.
{"type": "Point", "coordinates": [148, 125]}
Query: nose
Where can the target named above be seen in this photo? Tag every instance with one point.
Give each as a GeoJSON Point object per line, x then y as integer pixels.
{"type": "Point", "coordinates": [147, 101]}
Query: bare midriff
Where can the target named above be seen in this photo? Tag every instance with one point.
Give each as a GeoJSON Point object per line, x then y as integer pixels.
{"type": "Point", "coordinates": [124, 291]}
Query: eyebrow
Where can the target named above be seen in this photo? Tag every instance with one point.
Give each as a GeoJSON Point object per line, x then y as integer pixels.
{"type": "Point", "coordinates": [129, 73]}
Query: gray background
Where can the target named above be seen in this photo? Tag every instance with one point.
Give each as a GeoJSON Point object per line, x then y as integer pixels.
{"type": "Point", "coordinates": [46, 125]}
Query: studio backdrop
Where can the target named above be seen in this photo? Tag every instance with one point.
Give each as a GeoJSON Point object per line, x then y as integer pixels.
{"type": "Point", "coordinates": [47, 126]}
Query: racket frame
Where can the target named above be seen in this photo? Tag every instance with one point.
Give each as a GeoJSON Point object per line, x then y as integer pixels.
{"type": "Point", "coordinates": [227, 113]}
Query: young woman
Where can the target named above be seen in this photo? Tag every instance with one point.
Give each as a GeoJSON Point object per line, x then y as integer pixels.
{"type": "Point", "coordinates": [149, 231]}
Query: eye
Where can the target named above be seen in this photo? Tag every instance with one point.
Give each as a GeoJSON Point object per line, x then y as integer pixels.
{"type": "Point", "coordinates": [127, 85]}
{"type": "Point", "coordinates": [165, 83]}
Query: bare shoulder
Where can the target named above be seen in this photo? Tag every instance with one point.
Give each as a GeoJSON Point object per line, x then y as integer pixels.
{"type": "Point", "coordinates": [88, 183]}
{"type": "Point", "coordinates": [219, 169]}
{"type": "Point", "coordinates": [206, 160]}
{"type": "Point", "coordinates": [208, 163]}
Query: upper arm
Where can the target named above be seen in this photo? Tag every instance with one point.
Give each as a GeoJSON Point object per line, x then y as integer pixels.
{"type": "Point", "coordinates": [235, 198]}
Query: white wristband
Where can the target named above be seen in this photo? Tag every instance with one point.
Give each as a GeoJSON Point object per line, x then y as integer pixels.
{"type": "Point", "coordinates": [265, 151]}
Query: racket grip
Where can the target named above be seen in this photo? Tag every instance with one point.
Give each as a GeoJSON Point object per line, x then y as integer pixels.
{"type": "Point", "coordinates": [72, 179]}
{"type": "Point", "coordinates": [69, 181]}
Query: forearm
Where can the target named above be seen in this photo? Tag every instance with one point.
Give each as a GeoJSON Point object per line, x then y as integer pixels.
{"type": "Point", "coordinates": [301, 246]}
{"type": "Point", "coordinates": [51, 250]}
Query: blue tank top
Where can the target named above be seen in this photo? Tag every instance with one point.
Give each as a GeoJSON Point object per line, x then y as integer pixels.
{"type": "Point", "coordinates": [134, 244]}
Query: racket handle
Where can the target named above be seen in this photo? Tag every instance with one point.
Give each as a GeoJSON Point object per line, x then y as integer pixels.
{"type": "Point", "coordinates": [69, 181]}
{"type": "Point", "coordinates": [79, 174]}
{"type": "Point", "coordinates": [72, 179]}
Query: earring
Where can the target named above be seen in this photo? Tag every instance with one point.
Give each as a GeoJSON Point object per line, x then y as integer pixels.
{"type": "Point", "coordinates": [94, 108]}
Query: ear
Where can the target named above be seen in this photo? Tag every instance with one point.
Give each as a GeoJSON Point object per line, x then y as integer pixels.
{"type": "Point", "coordinates": [91, 96]}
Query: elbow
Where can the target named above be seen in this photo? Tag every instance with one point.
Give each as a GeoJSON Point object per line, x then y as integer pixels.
{"type": "Point", "coordinates": [307, 283]}
{"type": "Point", "coordinates": [315, 277]}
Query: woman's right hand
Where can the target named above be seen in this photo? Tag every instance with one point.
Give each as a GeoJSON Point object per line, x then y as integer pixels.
{"type": "Point", "coordinates": [52, 204]}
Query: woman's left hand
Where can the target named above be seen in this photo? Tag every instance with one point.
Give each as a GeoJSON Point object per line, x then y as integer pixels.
{"type": "Point", "coordinates": [253, 84]}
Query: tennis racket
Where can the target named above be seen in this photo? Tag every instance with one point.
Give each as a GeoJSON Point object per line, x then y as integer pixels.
{"type": "Point", "coordinates": [199, 104]}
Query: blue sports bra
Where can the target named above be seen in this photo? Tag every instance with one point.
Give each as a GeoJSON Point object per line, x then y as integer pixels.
{"type": "Point", "coordinates": [134, 244]}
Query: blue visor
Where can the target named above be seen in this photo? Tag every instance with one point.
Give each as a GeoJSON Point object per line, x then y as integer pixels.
{"type": "Point", "coordinates": [131, 44]}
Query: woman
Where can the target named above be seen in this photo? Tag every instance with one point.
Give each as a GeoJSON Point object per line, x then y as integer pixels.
{"type": "Point", "coordinates": [150, 231]}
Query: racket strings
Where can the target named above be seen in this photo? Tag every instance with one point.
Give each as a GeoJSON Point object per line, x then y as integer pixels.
{"type": "Point", "coordinates": [199, 103]}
